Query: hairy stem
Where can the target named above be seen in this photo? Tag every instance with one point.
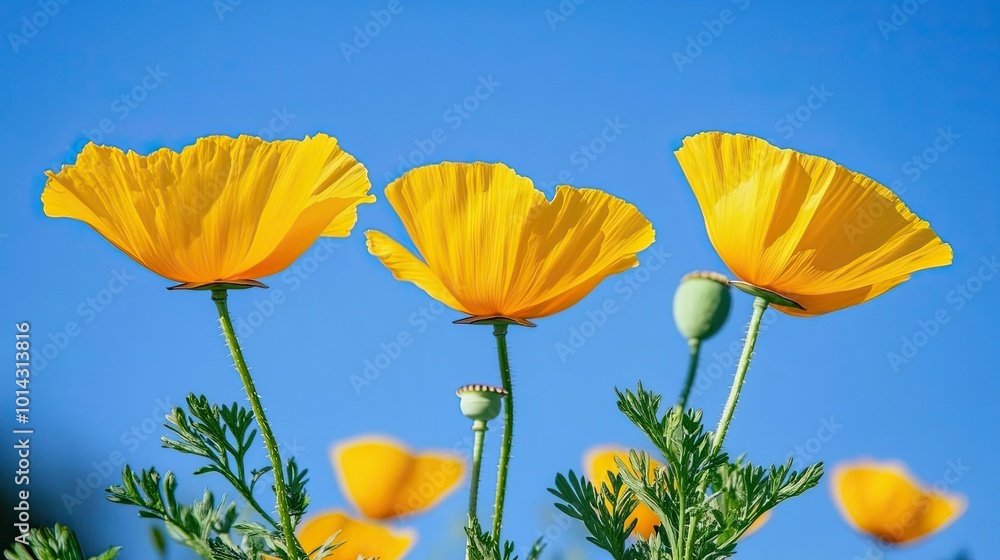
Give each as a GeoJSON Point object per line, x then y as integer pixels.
{"type": "Point", "coordinates": [479, 429]}
{"type": "Point", "coordinates": [759, 306]}
{"type": "Point", "coordinates": [500, 332]}
{"type": "Point", "coordinates": [219, 296]}
{"type": "Point", "coordinates": [695, 346]}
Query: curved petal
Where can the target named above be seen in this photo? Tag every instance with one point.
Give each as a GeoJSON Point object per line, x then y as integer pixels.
{"type": "Point", "coordinates": [358, 539]}
{"type": "Point", "coordinates": [757, 525]}
{"type": "Point", "coordinates": [406, 267]}
{"type": "Point", "coordinates": [385, 480]}
{"type": "Point", "coordinates": [803, 225]}
{"type": "Point", "coordinates": [884, 500]}
{"type": "Point", "coordinates": [218, 210]}
{"type": "Point", "coordinates": [598, 462]}
{"type": "Point", "coordinates": [501, 249]}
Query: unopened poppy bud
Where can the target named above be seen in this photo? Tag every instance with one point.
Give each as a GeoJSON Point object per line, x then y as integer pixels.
{"type": "Point", "coordinates": [481, 402]}
{"type": "Point", "coordinates": [701, 304]}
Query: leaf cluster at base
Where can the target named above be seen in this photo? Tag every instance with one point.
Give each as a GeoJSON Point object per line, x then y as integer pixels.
{"type": "Point", "coordinates": [704, 501]}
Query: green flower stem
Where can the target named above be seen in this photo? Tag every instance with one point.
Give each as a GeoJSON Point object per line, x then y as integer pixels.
{"type": "Point", "coordinates": [479, 429]}
{"type": "Point", "coordinates": [759, 306]}
{"type": "Point", "coordinates": [219, 296]}
{"type": "Point", "coordinates": [500, 332]}
{"type": "Point", "coordinates": [695, 346]}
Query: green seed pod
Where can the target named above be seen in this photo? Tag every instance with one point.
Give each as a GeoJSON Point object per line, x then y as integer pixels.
{"type": "Point", "coordinates": [701, 304]}
{"type": "Point", "coordinates": [481, 402]}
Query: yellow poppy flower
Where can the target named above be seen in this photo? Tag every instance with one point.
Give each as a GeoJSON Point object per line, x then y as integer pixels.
{"type": "Point", "coordinates": [493, 246]}
{"type": "Point", "coordinates": [222, 211]}
{"type": "Point", "coordinates": [359, 539]}
{"type": "Point", "coordinates": [757, 525]}
{"type": "Point", "coordinates": [598, 461]}
{"type": "Point", "coordinates": [802, 226]}
{"type": "Point", "coordinates": [885, 501]}
{"type": "Point", "coordinates": [385, 480]}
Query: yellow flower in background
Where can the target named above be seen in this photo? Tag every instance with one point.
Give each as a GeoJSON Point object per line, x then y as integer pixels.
{"type": "Point", "coordinates": [491, 245]}
{"type": "Point", "coordinates": [803, 227]}
{"type": "Point", "coordinates": [385, 480]}
{"type": "Point", "coordinates": [222, 211]}
{"type": "Point", "coordinates": [884, 500]}
{"type": "Point", "coordinates": [359, 539]}
{"type": "Point", "coordinates": [598, 462]}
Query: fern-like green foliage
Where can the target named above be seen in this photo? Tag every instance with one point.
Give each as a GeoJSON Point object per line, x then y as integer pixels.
{"type": "Point", "coordinates": [705, 502]}
{"type": "Point", "coordinates": [482, 545]}
{"type": "Point", "coordinates": [223, 436]}
{"type": "Point", "coordinates": [58, 543]}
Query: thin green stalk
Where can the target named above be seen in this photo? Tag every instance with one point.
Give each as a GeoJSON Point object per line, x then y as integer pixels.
{"type": "Point", "coordinates": [479, 429]}
{"type": "Point", "coordinates": [500, 332]}
{"type": "Point", "coordinates": [695, 346]}
{"type": "Point", "coordinates": [219, 296]}
{"type": "Point", "coordinates": [759, 306]}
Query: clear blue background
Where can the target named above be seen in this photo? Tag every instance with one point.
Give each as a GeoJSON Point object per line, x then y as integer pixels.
{"type": "Point", "coordinates": [887, 92]}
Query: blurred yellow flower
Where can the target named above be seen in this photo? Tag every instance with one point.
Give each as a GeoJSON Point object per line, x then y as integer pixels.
{"type": "Point", "coordinates": [384, 479]}
{"type": "Point", "coordinates": [222, 211]}
{"type": "Point", "coordinates": [598, 462]}
{"type": "Point", "coordinates": [885, 501]}
{"type": "Point", "coordinates": [359, 539]}
{"type": "Point", "coordinates": [802, 226]}
{"type": "Point", "coordinates": [493, 246]}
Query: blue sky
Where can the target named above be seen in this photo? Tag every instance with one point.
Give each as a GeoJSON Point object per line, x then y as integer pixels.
{"type": "Point", "coordinates": [910, 101]}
